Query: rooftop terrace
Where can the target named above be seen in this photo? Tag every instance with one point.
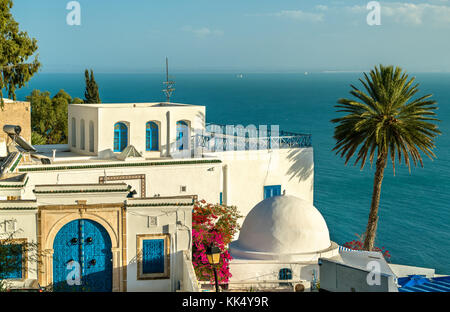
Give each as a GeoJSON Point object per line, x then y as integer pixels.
{"type": "Point", "coordinates": [137, 105]}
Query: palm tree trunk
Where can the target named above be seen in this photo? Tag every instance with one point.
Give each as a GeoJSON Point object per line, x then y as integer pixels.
{"type": "Point", "coordinates": [373, 215]}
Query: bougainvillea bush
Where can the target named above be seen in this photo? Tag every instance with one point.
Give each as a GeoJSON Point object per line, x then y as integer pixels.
{"type": "Point", "coordinates": [212, 225]}
{"type": "Point", "coordinates": [358, 244]}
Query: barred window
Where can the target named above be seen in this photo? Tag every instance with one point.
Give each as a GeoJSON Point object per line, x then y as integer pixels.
{"type": "Point", "coordinates": [153, 256]}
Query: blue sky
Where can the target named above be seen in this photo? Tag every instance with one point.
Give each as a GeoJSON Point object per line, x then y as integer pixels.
{"type": "Point", "coordinates": [238, 35]}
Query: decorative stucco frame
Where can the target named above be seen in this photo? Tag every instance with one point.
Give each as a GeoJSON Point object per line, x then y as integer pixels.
{"type": "Point", "coordinates": [103, 179]}
{"type": "Point", "coordinates": [111, 216]}
{"type": "Point", "coordinates": [149, 276]}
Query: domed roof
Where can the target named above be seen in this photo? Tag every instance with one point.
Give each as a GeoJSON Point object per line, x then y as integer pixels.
{"type": "Point", "coordinates": [283, 225]}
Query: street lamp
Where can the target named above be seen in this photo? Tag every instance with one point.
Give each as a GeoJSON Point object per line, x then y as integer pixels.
{"type": "Point", "coordinates": [213, 255]}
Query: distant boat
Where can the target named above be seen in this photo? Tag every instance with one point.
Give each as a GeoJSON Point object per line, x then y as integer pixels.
{"type": "Point", "coordinates": [240, 76]}
{"type": "Point", "coordinates": [306, 73]}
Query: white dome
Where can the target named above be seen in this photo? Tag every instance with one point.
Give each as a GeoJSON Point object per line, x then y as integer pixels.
{"type": "Point", "coordinates": [283, 225]}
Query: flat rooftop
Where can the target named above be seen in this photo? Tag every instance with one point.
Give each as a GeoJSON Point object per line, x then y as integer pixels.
{"type": "Point", "coordinates": [140, 105]}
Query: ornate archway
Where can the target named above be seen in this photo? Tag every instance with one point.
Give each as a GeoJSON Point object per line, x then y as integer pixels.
{"type": "Point", "coordinates": [109, 222]}
{"type": "Point", "coordinates": [82, 257]}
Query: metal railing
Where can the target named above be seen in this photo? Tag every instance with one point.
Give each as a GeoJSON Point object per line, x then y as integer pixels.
{"type": "Point", "coordinates": [218, 138]}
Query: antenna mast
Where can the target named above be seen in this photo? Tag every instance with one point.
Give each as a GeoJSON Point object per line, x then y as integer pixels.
{"type": "Point", "coordinates": [168, 83]}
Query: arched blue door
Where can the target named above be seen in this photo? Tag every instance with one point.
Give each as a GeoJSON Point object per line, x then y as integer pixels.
{"type": "Point", "coordinates": [82, 258]}
{"type": "Point", "coordinates": [182, 135]}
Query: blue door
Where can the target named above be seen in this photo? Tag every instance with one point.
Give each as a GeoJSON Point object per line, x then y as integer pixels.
{"type": "Point", "coordinates": [182, 135]}
{"type": "Point", "coordinates": [82, 258]}
{"type": "Point", "coordinates": [272, 190]}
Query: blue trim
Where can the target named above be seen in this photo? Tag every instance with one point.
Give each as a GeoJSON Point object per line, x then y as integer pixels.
{"type": "Point", "coordinates": [120, 137]}
{"type": "Point", "coordinates": [151, 136]}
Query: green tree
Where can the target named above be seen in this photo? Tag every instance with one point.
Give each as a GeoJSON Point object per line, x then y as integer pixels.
{"type": "Point", "coordinates": [384, 121]}
{"type": "Point", "coordinates": [91, 94]}
{"type": "Point", "coordinates": [77, 100]}
{"type": "Point", "coordinates": [37, 139]}
{"type": "Point", "coordinates": [49, 116]}
{"type": "Point", "coordinates": [16, 47]}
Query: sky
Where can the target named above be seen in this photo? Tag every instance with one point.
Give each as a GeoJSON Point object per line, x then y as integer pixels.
{"type": "Point", "coordinates": [135, 36]}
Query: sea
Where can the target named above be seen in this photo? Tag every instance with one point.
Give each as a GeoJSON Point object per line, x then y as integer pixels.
{"type": "Point", "coordinates": [414, 212]}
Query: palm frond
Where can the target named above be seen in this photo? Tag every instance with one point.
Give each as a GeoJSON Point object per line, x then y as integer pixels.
{"type": "Point", "coordinates": [383, 118]}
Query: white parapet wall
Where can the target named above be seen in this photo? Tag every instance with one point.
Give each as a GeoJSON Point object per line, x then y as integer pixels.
{"type": "Point", "coordinates": [189, 282]}
{"type": "Point", "coordinates": [405, 270]}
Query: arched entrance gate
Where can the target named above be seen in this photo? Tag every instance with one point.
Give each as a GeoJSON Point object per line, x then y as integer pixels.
{"type": "Point", "coordinates": [82, 258]}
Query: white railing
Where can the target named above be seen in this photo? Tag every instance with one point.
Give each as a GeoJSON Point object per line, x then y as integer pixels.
{"type": "Point", "coordinates": [212, 142]}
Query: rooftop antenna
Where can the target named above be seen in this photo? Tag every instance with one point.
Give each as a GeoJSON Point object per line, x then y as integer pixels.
{"type": "Point", "coordinates": [168, 83]}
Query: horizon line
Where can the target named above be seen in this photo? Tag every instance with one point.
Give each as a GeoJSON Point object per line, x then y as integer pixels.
{"type": "Point", "coordinates": [240, 72]}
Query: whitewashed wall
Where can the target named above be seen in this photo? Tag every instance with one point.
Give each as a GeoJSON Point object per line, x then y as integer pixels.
{"type": "Point", "coordinates": [241, 177]}
{"type": "Point", "coordinates": [248, 172]}
{"type": "Point", "coordinates": [180, 240]}
{"type": "Point", "coordinates": [88, 114]}
{"type": "Point", "coordinates": [135, 116]}
{"type": "Point", "coordinates": [162, 180]}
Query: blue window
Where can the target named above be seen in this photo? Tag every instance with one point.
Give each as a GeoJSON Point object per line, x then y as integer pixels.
{"type": "Point", "coordinates": [272, 190]}
{"type": "Point", "coordinates": [221, 198]}
{"type": "Point", "coordinates": [153, 256]}
{"type": "Point", "coordinates": [13, 266]}
{"type": "Point", "coordinates": [285, 274]}
{"type": "Point", "coordinates": [120, 137]}
{"type": "Point", "coordinates": [152, 136]}
{"type": "Point", "coordinates": [182, 135]}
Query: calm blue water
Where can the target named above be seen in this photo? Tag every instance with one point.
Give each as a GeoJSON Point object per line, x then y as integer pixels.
{"type": "Point", "coordinates": [414, 220]}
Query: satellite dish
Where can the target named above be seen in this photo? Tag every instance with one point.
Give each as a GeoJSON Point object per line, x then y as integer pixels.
{"type": "Point", "coordinates": [14, 133]}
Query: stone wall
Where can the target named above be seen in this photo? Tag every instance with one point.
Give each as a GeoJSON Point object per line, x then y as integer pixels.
{"type": "Point", "coordinates": [16, 113]}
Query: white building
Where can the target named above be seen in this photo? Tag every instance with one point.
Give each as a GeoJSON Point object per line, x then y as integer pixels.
{"type": "Point", "coordinates": [164, 154]}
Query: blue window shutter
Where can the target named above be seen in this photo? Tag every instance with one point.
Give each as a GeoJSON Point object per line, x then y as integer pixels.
{"type": "Point", "coordinates": [272, 190]}
{"type": "Point", "coordinates": [116, 141]}
{"type": "Point", "coordinates": [276, 190]}
{"type": "Point", "coordinates": [147, 138]}
{"type": "Point", "coordinates": [221, 198]}
{"type": "Point", "coordinates": [123, 138]}
{"type": "Point", "coordinates": [14, 260]}
{"type": "Point", "coordinates": [152, 136]}
{"type": "Point", "coordinates": [120, 137]}
{"type": "Point", "coordinates": [153, 256]}
{"type": "Point", "coordinates": [155, 137]}
{"type": "Point", "coordinates": [285, 274]}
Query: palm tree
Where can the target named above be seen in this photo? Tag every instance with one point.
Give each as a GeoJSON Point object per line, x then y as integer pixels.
{"type": "Point", "coordinates": [386, 120]}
